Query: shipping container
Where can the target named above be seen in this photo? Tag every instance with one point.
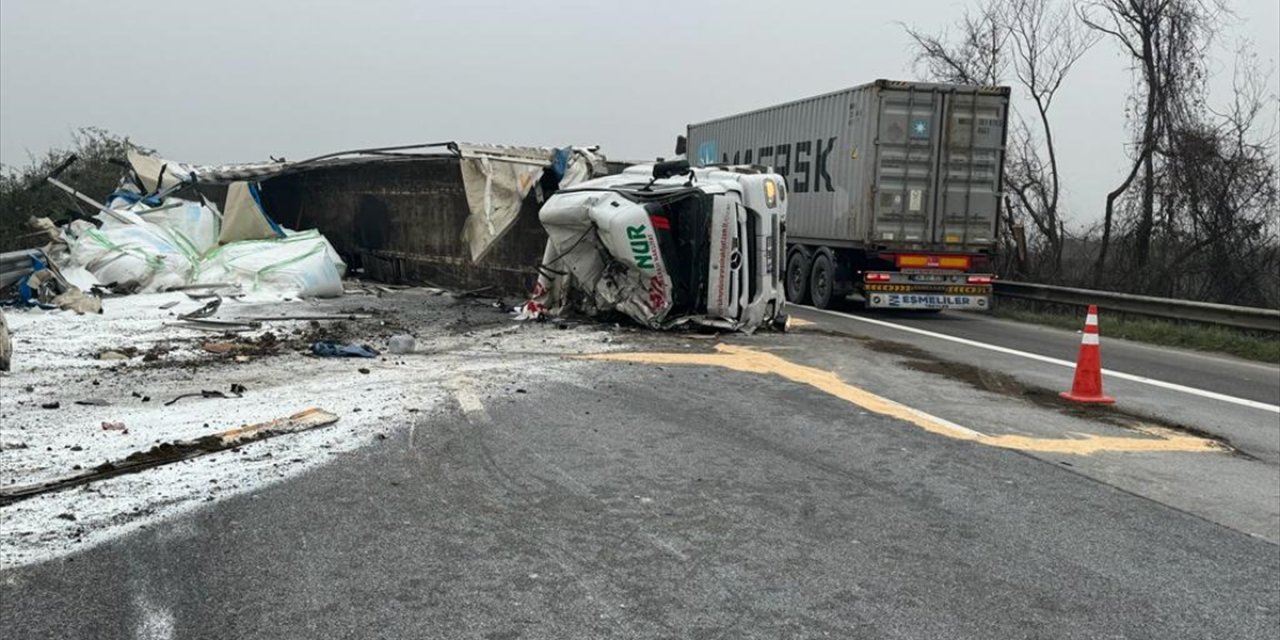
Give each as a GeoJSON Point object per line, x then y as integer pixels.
{"type": "Point", "coordinates": [884, 177]}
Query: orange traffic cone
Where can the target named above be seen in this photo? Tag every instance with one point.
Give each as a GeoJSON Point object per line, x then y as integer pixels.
{"type": "Point", "coordinates": [1087, 386]}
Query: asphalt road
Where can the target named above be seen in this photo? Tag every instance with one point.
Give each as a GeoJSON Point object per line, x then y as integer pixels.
{"type": "Point", "coordinates": [1212, 372]}
{"type": "Point", "coordinates": [666, 501]}
{"type": "Point", "coordinates": [1249, 428]}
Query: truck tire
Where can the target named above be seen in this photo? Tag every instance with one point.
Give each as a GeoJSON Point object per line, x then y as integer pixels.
{"type": "Point", "coordinates": [797, 283]}
{"type": "Point", "coordinates": [821, 279]}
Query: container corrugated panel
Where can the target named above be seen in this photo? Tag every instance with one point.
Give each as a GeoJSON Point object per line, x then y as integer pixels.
{"type": "Point", "coordinates": [801, 141]}
{"type": "Point", "coordinates": [888, 164]}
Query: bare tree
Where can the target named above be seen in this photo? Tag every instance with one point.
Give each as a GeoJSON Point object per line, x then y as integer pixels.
{"type": "Point", "coordinates": [1219, 195]}
{"type": "Point", "coordinates": [977, 55]}
{"type": "Point", "coordinates": [1047, 42]}
{"type": "Point", "coordinates": [1166, 42]}
{"type": "Point", "coordinates": [1033, 44]}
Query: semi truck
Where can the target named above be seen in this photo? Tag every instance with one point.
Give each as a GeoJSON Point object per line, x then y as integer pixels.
{"type": "Point", "coordinates": [667, 245]}
{"type": "Point", "coordinates": [893, 189]}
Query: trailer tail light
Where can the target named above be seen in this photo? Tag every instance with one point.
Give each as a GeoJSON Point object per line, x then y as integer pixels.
{"type": "Point", "coordinates": [932, 262]}
{"type": "Point", "coordinates": [877, 277]}
{"type": "Point", "coordinates": [979, 279]}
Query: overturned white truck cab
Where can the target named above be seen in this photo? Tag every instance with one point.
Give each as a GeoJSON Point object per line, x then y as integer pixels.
{"type": "Point", "coordinates": [668, 245]}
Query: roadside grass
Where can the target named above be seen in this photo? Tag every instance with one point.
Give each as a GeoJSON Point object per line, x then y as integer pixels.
{"type": "Point", "coordinates": [1242, 344]}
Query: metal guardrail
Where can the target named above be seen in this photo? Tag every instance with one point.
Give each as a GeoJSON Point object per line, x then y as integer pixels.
{"type": "Point", "coordinates": [17, 265]}
{"type": "Point", "coordinates": [1252, 318]}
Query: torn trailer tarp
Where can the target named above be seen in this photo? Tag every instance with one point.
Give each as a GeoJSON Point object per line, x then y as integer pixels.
{"type": "Point", "coordinates": [243, 216]}
{"type": "Point", "coordinates": [497, 180]}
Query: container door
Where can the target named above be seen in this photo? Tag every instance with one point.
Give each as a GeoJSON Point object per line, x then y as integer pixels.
{"type": "Point", "coordinates": [968, 184]}
{"type": "Point", "coordinates": [907, 143]}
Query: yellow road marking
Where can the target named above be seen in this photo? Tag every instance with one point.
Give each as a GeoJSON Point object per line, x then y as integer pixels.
{"type": "Point", "coordinates": [751, 361]}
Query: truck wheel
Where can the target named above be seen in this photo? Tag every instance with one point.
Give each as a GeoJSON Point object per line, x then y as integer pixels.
{"type": "Point", "coordinates": [820, 280]}
{"type": "Point", "coordinates": [781, 322]}
{"type": "Point", "coordinates": [797, 284]}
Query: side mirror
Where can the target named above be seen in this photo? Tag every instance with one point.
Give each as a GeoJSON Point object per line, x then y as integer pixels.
{"type": "Point", "coordinates": [670, 168]}
{"type": "Point", "coordinates": [682, 145]}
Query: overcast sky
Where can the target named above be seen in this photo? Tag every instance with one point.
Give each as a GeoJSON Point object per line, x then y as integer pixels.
{"type": "Point", "coordinates": [208, 82]}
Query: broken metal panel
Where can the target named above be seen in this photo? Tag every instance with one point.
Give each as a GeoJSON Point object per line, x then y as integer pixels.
{"type": "Point", "coordinates": [16, 265]}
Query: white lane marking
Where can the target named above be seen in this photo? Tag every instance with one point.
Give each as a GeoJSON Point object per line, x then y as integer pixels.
{"type": "Point", "coordinates": [464, 392]}
{"type": "Point", "coordinates": [1253, 404]}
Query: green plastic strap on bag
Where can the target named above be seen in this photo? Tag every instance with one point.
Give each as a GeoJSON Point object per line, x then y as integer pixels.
{"type": "Point", "coordinates": [309, 235]}
{"type": "Point", "coordinates": [153, 261]}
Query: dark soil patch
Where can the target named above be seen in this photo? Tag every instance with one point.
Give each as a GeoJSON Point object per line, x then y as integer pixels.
{"type": "Point", "coordinates": [156, 352]}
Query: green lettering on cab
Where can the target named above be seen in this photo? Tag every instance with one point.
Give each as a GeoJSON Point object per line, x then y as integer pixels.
{"type": "Point", "coordinates": [640, 249]}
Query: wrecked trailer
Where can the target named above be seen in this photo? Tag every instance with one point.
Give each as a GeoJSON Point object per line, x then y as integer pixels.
{"type": "Point", "coordinates": [667, 245]}
{"type": "Point", "coordinates": [451, 214]}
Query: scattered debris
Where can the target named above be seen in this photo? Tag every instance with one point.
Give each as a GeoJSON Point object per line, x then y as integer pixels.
{"type": "Point", "coordinates": [51, 405]}
{"type": "Point", "coordinates": [363, 370]}
{"type": "Point", "coordinates": [219, 347]}
{"type": "Point", "coordinates": [265, 344]}
{"type": "Point", "coordinates": [312, 318]}
{"type": "Point", "coordinates": [169, 305]}
{"type": "Point", "coordinates": [155, 352]}
{"type": "Point", "coordinates": [112, 355]}
{"type": "Point", "coordinates": [237, 391]}
{"type": "Point", "coordinates": [115, 426]}
{"type": "Point", "coordinates": [207, 310]}
{"type": "Point", "coordinates": [336, 350]}
{"type": "Point", "coordinates": [233, 326]}
{"type": "Point", "coordinates": [6, 344]}
{"type": "Point", "coordinates": [401, 344]}
{"type": "Point", "coordinates": [472, 292]}
{"type": "Point", "coordinates": [93, 402]}
{"type": "Point", "coordinates": [170, 452]}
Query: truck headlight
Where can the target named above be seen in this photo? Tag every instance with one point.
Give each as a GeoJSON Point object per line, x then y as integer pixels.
{"type": "Point", "coordinates": [770, 193]}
